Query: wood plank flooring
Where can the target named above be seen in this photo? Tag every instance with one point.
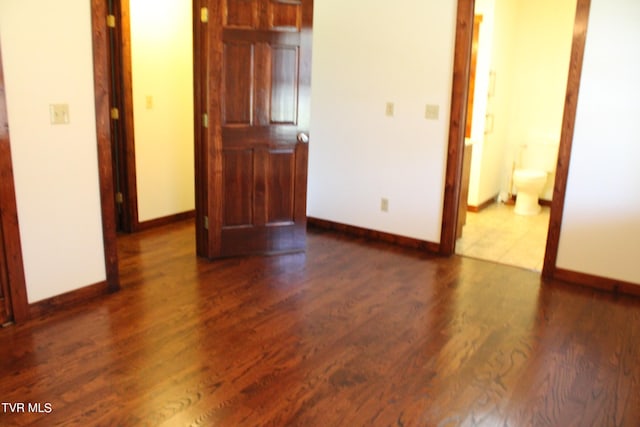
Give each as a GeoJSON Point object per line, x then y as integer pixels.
{"type": "Point", "coordinates": [350, 333]}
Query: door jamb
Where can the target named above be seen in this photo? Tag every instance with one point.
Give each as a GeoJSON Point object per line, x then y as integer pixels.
{"type": "Point", "coordinates": [462, 61]}
{"type": "Point", "coordinates": [583, 8]}
{"type": "Point", "coordinates": [9, 219]}
{"type": "Point", "coordinates": [207, 133]}
{"type": "Point", "coordinates": [457, 121]}
{"type": "Point", "coordinates": [121, 65]}
{"type": "Point", "coordinates": [103, 133]}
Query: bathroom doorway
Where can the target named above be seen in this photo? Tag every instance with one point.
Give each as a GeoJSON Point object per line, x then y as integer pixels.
{"type": "Point", "coordinates": [518, 81]}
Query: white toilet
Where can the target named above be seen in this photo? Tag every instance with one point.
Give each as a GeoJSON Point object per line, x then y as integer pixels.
{"type": "Point", "coordinates": [537, 164]}
{"type": "Point", "coordinates": [529, 184]}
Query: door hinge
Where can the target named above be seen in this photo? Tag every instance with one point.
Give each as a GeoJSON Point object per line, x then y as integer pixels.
{"type": "Point", "coordinates": [119, 198]}
{"type": "Point", "coordinates": [206, 222]}
{"type": "Point", "coordinates": [115, 114]}
{"type": "Point", "coordinates": [205, 120]}
{"type": "Point", "coordinates": [111, 21]}
{"type": "Point", "coordinates": [204, 14]}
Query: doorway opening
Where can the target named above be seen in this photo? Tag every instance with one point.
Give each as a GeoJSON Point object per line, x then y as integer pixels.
{"type": "Point", "coordinates": [495, 124]}
{"type": "Point", "coordinates": [151, 111]}
{"type": "Point", "coordinates": [518, 79]}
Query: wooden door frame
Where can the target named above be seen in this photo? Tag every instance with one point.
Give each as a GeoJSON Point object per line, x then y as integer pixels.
{"type": "Point", "coordinates": [10, 231]}
{"type": "Point", "coordinates": [101, 71]}
{"type": "Point", "coordinates": [462, 61]}
{"type": "Point", "coordinates": [208, 143]}
{"type": "Point", "coordinates": [123, 68]}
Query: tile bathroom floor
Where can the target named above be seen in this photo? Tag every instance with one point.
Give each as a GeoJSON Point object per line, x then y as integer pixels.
{"type": "Point", "coordinates": [497, 234]}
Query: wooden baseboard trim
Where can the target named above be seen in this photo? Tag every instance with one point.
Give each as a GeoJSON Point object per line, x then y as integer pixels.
{"type": "Point", "coordinates": [596, 282]}
{"type": "Point", "coordinates": [482, 205]}
{"type": "Point", "coordinates": [544, 202]}
{"type": "Point", "coordinates": [380, 236]}
{"type": "Point", "coordinates": [165, 220]}
{"type": "Point", "coordinates": [69, 299]}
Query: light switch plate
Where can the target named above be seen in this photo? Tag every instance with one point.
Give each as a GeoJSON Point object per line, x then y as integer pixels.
{"type": "Point", "coordinates": [59, 114]}
{"type": "Point", "coordinates": [389, 109]}
{"type": "Point", "coordinates": [432, 112]}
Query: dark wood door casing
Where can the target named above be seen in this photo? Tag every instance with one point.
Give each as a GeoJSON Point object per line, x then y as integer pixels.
{"type": "Point", "coordinates": [253, 64]}
{"type": "Point", "coordinates": [457, 121]}
{"type": "Point", "coordinates": [6, 312]}
{"type": "Point", "coordinates": [13, 291]}
{"type": "Point", "coordinates": [122, 124]}
{"type": "Point", "coordinates": [100, 42]}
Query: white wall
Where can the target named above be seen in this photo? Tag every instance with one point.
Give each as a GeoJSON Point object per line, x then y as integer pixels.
{"type": "Point", "coordinates": [162, 69]}
{"type": "Point", "coordinates": [398, 51]}
{"type": "Point", "coordinates": [47, 56]}
{"type": "Point", "coordinates": [601, 226]}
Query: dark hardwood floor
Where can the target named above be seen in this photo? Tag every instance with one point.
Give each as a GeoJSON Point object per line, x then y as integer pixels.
{"type": "Point", "coordinates": [349, 333]}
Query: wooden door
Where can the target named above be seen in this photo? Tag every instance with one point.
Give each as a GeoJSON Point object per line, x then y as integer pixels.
{"type": "Point", "coordinates": [253, 66]}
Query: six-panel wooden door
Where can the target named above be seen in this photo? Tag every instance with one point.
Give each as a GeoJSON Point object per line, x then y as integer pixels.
{"type": "Point", "coordinates": [255, 84]}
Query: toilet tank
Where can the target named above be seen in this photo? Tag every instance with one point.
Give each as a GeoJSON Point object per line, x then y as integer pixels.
{"type": "Point", "coordinates": [540, 154]}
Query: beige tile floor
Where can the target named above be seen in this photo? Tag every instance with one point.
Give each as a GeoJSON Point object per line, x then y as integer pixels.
{"type": "Point", "coordinates": [497, 234]}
